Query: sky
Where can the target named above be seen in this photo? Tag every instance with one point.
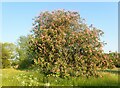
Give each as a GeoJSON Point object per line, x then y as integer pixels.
{"type": "Point", "coordinates": [17, 18]}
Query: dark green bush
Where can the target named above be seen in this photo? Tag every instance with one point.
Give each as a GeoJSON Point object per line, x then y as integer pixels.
{"type": "Point", "coordinates": [24, 64]}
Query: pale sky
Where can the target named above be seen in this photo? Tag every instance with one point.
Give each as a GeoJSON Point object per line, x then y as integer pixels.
{"type": "Point", "coordinates": [17, 18]}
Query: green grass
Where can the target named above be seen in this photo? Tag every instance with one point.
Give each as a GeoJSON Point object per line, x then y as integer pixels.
{"type": "Point", "coordinates": [12, 77]}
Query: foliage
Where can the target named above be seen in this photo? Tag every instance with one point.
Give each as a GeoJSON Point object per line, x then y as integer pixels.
{"type": "Point", "coordinates": [7, 54]}
{"type": "Point", "coordinates": [22, 47]}
{"type": "Point", "coordinates": [23, 64]}
{"type": "Point", "coordinates": [23, 59]}
{"type": "Point", "coordinates": [115, 57]}
{"type": "Point", "coordinates": [10, 48]}
{"type": "Point", "coordinates": [63, 45]}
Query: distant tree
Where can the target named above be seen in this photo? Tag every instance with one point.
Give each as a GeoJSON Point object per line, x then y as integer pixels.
{"type": "Point", "coordinates": [24, 60]}
{"type": "Point", "coordinates": [8, 53]}
{"type": "Point", "coordinates": [115, 57]}
{"type": "Point", "coordinates": [22, 47]}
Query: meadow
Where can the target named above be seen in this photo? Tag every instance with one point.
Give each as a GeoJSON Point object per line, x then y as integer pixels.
{"type": "Point", "coordinates": [13, 77]}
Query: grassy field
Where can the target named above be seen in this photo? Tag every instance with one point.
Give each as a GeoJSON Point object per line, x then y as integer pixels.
{"type": "Point", "coordinates": [12, 77]}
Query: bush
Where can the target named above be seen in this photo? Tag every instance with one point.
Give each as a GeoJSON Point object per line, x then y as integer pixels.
{"type": "Point", "coordinates": [115, 57]}
{"type": "Point", "coordinates": [5, 63]}
{"type": "Point", "coordinates": [63, 45]}
{"type": "Point", "coordinates": [24, 64]}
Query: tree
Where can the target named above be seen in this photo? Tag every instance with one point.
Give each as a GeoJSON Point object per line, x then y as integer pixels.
{"type": "Point", "coordinates": [8, 54]}
{"type": "Point", "coordinates": [63, 45]}
{"type": "Point", "coordinates": [23, 59]}
{"type": "Point", "coordinates": [115, 57]}
{"type": "Point", "coordinates": [22, 47]}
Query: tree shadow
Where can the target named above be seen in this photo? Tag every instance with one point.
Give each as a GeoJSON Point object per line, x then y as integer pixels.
{"type": "Point", "coordinates": [117, 71]}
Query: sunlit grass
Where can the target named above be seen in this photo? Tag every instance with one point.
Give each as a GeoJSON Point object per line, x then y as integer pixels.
{"type": "Point", "coordinates": [8, 77]}
{"type": "Point", "coordinates": [108, 79]}
{"type": "Point", "coordinates": [0, 77]}
{"type": "Point", "coordinates": [12, 77]}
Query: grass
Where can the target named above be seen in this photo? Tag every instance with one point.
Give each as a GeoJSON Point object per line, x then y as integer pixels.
{"type": "Point", "coordinates": [12, 77]}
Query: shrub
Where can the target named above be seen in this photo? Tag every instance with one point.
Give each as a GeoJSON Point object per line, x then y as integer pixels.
{"type": "Point", "coordinates": [115, 57]}
{"type": "Point", "coordinates": [63, 45]}
{"type": "Point", "coordinates": [5, 63]}
{"type": "Point", "coordinates": [24, 64]}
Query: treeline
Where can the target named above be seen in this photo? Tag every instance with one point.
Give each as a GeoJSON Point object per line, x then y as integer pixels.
{"type": "Point", "coordinates": [16, 56]}
{"type": "Point", "coordinates": [115, 57]}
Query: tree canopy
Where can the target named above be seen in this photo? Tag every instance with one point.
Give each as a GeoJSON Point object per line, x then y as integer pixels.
{"type": "Point", "coordinates": [62, 44]}
{"type": "Point", "coordinates": [8, 53]}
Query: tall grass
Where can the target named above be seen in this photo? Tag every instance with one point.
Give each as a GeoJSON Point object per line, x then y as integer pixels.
{"type": "Point", "coordinates": [12, 77]}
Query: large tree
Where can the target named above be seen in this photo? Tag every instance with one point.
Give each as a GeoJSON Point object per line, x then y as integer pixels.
{"type": "Point", "coordinates": [63, 45]}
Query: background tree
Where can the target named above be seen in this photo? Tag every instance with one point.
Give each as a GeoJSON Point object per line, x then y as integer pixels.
{"type": "Point", "coordinates": [23, 59]}
{"type": "Point", "coordinates": [8, 53]}
{"type": "Point", "coordinates": [63, 45]}
{"type": "Point", "coordinates": [115, 57]}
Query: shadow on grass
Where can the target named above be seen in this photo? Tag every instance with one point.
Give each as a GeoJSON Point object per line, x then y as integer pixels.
{"type": "Point", "coordinates": [117, 71]}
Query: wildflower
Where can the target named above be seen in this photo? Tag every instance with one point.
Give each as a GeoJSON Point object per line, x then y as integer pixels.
{"type": "Point", "coordinates": [47, 84]}
{"type": "Point", "coordinates": [35, 78]}
{"type": "Point", "coordinates": [23, 82]}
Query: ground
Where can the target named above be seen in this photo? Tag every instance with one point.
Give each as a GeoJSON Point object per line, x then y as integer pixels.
{"type": "Point", "coordinates": [13, 77]}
